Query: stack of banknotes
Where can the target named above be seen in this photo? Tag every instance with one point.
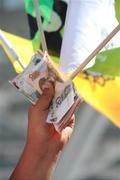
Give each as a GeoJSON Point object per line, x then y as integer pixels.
{"type": "Point", "coordinates": [34, 76]}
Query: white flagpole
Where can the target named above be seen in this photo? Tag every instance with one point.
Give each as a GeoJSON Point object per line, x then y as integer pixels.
{"type": "Point", "coordinates": [9, 47]}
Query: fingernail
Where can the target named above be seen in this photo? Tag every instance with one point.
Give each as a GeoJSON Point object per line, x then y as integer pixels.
{"type": "Point", "coordinates": [46, 86]}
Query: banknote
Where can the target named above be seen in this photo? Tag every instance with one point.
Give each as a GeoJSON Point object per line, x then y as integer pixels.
{"type": "Point", "coordinates": [40, 69]}
{"type": "Point", "coordinates": [65, 96]}
{"type": "Point", "coordinates": [66, 120]}
{"type": "Point", "coordinates": [30, 83]}
{"type": "Point", "coordinates": [64, 104]}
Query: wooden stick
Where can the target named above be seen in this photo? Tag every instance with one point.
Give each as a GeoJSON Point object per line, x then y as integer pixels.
{"type": "Point", "coordinates": [95, 52]}
{"type": "Point", "coordinates": [39, 23]}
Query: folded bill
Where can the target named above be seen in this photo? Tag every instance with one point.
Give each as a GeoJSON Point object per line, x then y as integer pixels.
{"type": "Point", "coordinates": [65, 96]}
{"type": "Point", "coordinates": [30, 83]}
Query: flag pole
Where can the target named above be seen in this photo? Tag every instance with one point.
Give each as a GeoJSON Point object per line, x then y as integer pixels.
{"type": "Point", "coordinates": [10, 49]}
{"type": "Point", "coordinates": [40, 28]}
{"type": "Point", "coordinates": [95, 52]}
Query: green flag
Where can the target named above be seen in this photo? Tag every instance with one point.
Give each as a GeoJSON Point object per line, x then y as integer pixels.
{"type": "Point", "coordinates": [117, 8]}
{"type": "Point", "coordinates": [45, 8]}
{"type": "Point", "coordinates": [53, 18]}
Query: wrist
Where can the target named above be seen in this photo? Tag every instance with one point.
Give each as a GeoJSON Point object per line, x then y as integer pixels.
{"type": "Point", "coordinates": [44, 158]}
{"type": "Point", "coordinates": [35, 164]}
{"type": "Point", "coordinates": [50, 142]}
{"type": "Point", "coordinates": [44, 148]}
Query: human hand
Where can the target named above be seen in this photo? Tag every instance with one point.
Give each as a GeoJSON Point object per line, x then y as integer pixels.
{"type": "Point", "coordinates": [44, 143]}
{"type": "Point", "coordinates": [38, 130]}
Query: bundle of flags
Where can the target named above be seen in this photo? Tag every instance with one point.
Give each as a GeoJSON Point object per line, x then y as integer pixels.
{"type": "Point", "coordinates": [99, 85]}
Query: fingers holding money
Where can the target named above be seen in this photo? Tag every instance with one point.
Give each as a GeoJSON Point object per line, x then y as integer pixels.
{"type": "Point", "coordinates": [67, 131]}
{"type": "Point", "coordinates": [39, 111]}
{"type": "Point", "coordinates": [66, 121]}
{"type": "Point", "coordinates": [48, 92]}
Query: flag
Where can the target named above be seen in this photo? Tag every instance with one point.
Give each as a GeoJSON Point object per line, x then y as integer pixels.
{"type": "Point", "coordinates": [53, 14]}
{"type": "Point", "coordinates": [99, 85]}
{"type": "Point", "coordinates": [16, 46]}
{"type": "Point", "coordinates": [45, 7]}
{"type": "Point", "coordinates": [117, 8]}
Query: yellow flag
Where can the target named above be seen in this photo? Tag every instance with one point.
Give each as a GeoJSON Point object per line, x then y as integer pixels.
{"type": "Point", "coordinates": [102, 93]}
{"type": "Point", "coordinates": [99, 86]}
{"type": "Point", "coordinates": [15, 47]}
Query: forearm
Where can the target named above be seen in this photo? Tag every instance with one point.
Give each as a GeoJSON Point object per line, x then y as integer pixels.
{"type": "Point", "coordinates": [44, 144]}
{"type": "Point", "coordinates": [37, 162]}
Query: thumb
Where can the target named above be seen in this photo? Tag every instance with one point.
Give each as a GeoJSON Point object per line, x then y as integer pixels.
{"type": "Point", "coordinates": [48, 92]}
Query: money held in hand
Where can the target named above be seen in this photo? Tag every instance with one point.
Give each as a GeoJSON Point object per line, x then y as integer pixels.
{"type": "Point", "coordinates": [31, 81]}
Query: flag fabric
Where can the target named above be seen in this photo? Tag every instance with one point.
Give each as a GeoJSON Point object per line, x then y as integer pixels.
{"type": "Point", "coordinates": [53, 22]}
{"type": "Point", "coordinates": [117, 8]}
{"type": "Point", "coordinates": [99, 85]}
{"type": "Point", "coordinates": [21, 47]}
{"type": "Point", "coordinates": [45, 8]}
{"type": "Point", "coordinates": [53, 14]}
